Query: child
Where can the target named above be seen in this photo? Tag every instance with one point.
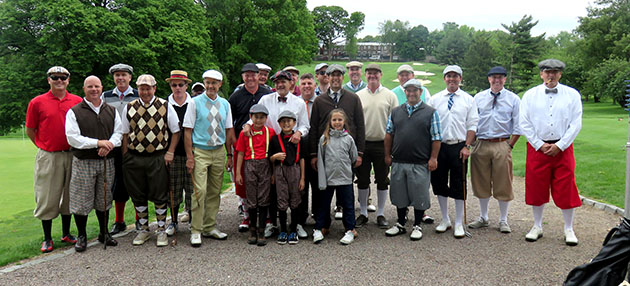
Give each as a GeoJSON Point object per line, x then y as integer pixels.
{"type": "Point", "coordinates": [257, 182]}
{"type": "Point", "coordinates": [412, 143]}
{"type": "Point", "coordinates": [335, 157]}
{"type": "Point", "coordinates": [288, 173]}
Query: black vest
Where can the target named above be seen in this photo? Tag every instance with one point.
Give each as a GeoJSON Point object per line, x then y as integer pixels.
{"type": "Point", "coordinates": [412, 139]}
{"type": "Point", "coordinates": [180, 150]}
{"type": "Point", "coordinates": [99, 126]}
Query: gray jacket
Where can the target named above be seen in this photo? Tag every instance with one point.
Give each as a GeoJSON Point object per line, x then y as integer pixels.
{"type": "Point", "coordinates": [335, 160]}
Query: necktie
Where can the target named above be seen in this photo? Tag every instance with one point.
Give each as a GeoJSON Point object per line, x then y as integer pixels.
{"type": "Point", "coordinates": [450, 100]}
{"type": "Point", "coordinates": [495, 95]}
{"type": "Point", "coordinates": [282, 99]}
{"type": "Point", "coordinates": [335, 95]}
{"type": "Point", "coordinates": [257, 133]}
{"type": "Point", "coordinates": [122, 95]}
{"type": "Point", "coordinates": [551, 90]}
{"type": "Point", "coordinates": [308, 112]}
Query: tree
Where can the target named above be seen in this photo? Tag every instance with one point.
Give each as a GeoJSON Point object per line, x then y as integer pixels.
{"type": "Point", "coordinates": [607, 80]}
{"type": "Point", "coordinates": [392, 33]}
{"type": "Point", "coordinates": [330, 24]}
{"type": "Point", "coordinates": [413, 45]}
{"type": "Point", "coordinates": [477, 62]}
{"type": "Point", "coordinates": [523, 51]}
{"type": "Point", "coordinates": [370, 38]}
{"type": "Point", "coordinates": [453, 44]}
{"type": "Point", "coordinates": [354, 24]}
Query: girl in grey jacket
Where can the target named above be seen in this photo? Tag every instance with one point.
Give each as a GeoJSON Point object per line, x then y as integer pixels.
{"type": "Point", "coordinates": [336, 155]}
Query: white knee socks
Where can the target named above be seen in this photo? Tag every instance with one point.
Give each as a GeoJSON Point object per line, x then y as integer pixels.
{"type": "Point", "coordinates": [459, 212]}
{"type": "Point", "coordinates": [382, 199]}
{"type": "Point", "coordinates": [483, 207]}
{"type": "Point", "coordinates": [538, 215]}
{"type": "Point", "coordinates": [363, 201]}
{"type": "Point", "coordinates": [503, 208]}
{"type": "Point", "coordinates": [568, 218]}
{"type": "Point", "coordinates": [444, 208]}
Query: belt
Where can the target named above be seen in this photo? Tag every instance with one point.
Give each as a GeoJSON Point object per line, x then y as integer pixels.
{"type": "Point", "coordinates": [551, 141]}
{"type": "Point", "coordinates": [495, 139]}
{"type": "Point", "coordinates": [453, 142]}
{"type": "Point", "coordinates": [60, 151]}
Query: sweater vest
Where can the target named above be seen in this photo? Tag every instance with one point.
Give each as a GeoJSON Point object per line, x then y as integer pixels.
{"type": "Point", "coordinates": [148, 125]}
{"type": "Point", "coordinates": [99, 126]}
{"type": "Point", "coordinates": [412, 135]}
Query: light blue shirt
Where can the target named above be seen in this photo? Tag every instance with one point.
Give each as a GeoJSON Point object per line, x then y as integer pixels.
{"type": "Point", "coordinates": [500, 119]}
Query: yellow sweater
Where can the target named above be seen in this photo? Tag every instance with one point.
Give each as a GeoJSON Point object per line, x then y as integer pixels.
{"type": "Point", "coordinates": [377, 107]}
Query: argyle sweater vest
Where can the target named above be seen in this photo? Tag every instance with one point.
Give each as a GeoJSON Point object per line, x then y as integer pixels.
{"type": "Point", "coordinates": [148, 125]}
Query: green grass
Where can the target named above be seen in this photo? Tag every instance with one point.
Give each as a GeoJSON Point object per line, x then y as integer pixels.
{"type": "Point", "coordinates": [21, 233]}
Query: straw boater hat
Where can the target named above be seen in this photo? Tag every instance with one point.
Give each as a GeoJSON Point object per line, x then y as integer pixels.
{"type": "Point", "coordinates": [179, 74]}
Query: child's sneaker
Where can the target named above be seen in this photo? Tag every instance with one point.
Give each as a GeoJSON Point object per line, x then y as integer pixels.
{"type": "Point", "coordinates": [282, 238]}
{"type": "Point", "coordinates": [347, 238]}
{"type": "Point", "coordinates": [318, 236]}
{"type": "Point", "coordinates": [244, 225]}
{"type": "Point", "coordinates": [69, 238]}
{"type": "Point", "coordinates": [293, 238]}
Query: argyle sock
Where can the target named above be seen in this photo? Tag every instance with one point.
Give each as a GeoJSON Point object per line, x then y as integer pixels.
{"type": "Point", "coordinates": [538, 215]}
{"type": "Point", "coordinates": [402, 213]}
{"type": "Point", "coordinates": [47, 226]}
{"type": "Point", "coordinates": [568, 218]}
{"type": "Point", "coordinates": [102, 217]}
{"type": "Point", "coordinates": [503, 208]}
{"type": "Point", "coordinates": [120, 212]}
{"type": "Point", "coordinates": [65, 224]}
{"type": "Point", "coordinates": [81, 222]}
{"type": "Point", "coordinates": [253, 216]}
{"type": "Point", "coordinates": [160, 215]}
{"type": "Point", "coordinates": [444, 208]}
{"type": "Point", "coordinates": [143, 216]}
{"type": "Point", "coordinates": [483, 207]}
{"type": "Point", "coordinates": [282, 215]}
{"type": "Point", "coordinates": [363, 201]}
{"type": "Point", "coordinates": [382, 199]}
{"type": "Point", "coordinates": [417, 216]}
{"type": "Point", "coordinates": [459, 212]}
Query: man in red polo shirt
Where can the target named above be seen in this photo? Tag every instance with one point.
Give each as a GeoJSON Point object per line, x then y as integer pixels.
{"type": "Point", "coordinates": [45, 125]}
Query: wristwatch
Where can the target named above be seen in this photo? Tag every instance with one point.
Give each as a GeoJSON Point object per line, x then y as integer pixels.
{"type": "Point", "coordinates": [468, 146]}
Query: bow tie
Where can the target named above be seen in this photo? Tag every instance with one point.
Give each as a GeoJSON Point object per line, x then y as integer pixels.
{"type": "Point", "coordinates": [257, 132]}
{"type": "Point", "coordinates": [287, 136]}
{"type": "Point", "coordinates": [551, 90]}
{"type": "Point", "coordinates": [282, 99]}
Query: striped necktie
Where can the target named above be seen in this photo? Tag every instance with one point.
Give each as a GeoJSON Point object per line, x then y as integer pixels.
{"type": "Point", "coordinates": [450, 100]}
{"type": "Point", "coordinates": [495, 95]}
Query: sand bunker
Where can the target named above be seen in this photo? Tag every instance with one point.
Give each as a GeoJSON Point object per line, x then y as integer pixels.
{"type": "Point", "coordinates": [418, 64]}
{"type": "Point", "coordinates": [423, 81]}
{"type": "Point", "coordinates": [423, 73]}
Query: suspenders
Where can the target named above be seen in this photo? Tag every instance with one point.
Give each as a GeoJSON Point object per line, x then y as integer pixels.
{"type": "Point", "coordinates": [297, 154]}
{"type": "Point", "coordinates": [251, 143]}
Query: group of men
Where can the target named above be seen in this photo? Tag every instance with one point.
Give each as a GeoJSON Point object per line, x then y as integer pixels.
{"type": "Point", "coordinates": [126, 143]}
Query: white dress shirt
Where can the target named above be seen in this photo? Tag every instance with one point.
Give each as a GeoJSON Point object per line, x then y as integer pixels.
{"type": "Point", "coordinates": [498, 120]}
{"type": "Point", "coordinates": [462, 117]}
{"type": "Point", "coordinates": [549, 116]}
{"type": "Point", "coordinates": [309, 104]}
{"type": "Point", "coordinates": [78, 141]}
{"type": "Point", "coordinates": [172, 101]}
{"type": "Point", "coordinates": [171, 114]}
{"type": "Point", "coordinates": [294, 104]}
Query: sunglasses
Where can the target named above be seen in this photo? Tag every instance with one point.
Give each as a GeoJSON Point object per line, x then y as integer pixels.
{"type": "Point", "coordinates": [61, 77]}
{"type": "Point", "coordinates": [321, 72]}
{"type": "Point", "coordinates": [178, 84]}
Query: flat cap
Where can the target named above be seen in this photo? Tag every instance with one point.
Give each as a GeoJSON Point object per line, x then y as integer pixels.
{"type": "Point", "coordinates": [373, 67]}
{"type": "Point", "coordinates": [354, 64]}
{"type": "Point", "coordinates": [215, 74]}
{"type": "Point", "coordinates": [453, 68]}
{"type": "Point", "coordinates": [258, 108]}
{"type": "Point", "coordinates": [291, 69]}
{"type": "Point", "coordinates": [335, 67]}
{"type": "Point", "coordinates": [249, 67]}
{"type": "Point", "coordinates": [263, 67]}
{"type": "Point", "coordinates": [57, 69]}
{"type": "Point", "coordinates": [551, 64]}
{"type": "Point", "coordinates": [320, 66]}
{"type": "Point", "coordinates": [287, 114]}
{"type": "Point", "coordinates": [146, 79]}
{"type": "Point", "coordinates": [404, 68]}
{"type": "Point", "coordinates": [413, 83]}
{"type": "Point", "coordinates": [121, 67]}
{"type": "Point", "coordinates": [497, 70]}
{"type": "Point", "coordinates": [197, 84]}
{"type": "Point", "coordinates": [281, 75]}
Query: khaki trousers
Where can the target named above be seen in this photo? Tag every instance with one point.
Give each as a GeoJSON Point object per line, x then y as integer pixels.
{"type": "Point", "coordinates": [491, 170]}
{"type": "Point", "coordinates": [52, 175]}
{"type": "Point", "coordinates": [207, 179]}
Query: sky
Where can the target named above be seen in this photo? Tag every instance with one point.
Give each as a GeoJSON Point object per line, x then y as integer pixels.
{"type": "Point", "coordinates": [553, 16]}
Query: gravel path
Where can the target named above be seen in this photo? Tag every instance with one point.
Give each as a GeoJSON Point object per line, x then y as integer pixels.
{"type": "Point", "coordinates": [487, 258]}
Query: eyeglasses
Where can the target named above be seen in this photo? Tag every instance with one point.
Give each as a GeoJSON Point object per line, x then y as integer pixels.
{"type": "Point", "coordinates": [321, 72]}
{"type": "Point", "coordinates": [61, 77]}
{"type": "Point", "coordinates": [178, 84]}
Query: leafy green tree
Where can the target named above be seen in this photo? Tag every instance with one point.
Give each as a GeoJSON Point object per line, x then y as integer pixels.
{"type": "Point", "coordinates": [330, 24]}
{"type": "Point", "coordinates": [393, 33]}
{"type": "Point", "coordinates": [354, 24]}
{"type": "Point", "coordinates": [523, 51]}
{"type": "Point", "coordinates": [605, 31]}
{"type": "Point", "coordinates": [477, 62]}
{"type": "Point", "coordinates": [453, 44]}
{"type": "Point", "coordinates": [607, 80]}
{"type": "Point", "coordinates": [370, 38]}
{"type": "Point", "coordinates": [413, 45]}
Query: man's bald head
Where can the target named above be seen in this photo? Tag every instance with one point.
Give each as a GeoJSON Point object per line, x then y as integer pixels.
{"type": "Point", "coordinates": [93, 89]}
{"type": "Point", "coordinates": [91, 79]}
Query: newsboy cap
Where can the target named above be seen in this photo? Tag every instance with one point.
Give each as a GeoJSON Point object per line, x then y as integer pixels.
{"type": "Point", "coordinates": [57, 69]}
{"type": "Point", "coordinates": [258, 108]}
{"type": "Point", "coordinates": [121, 67]}
{"type": "Point", "coordinates": [551, 64]}
{"type": "Point", "coordinates": [497, 70]}
{"type": "Point", "coordinates": [287, 114]}
{"type": "Point", "coordinates": [335, 67]}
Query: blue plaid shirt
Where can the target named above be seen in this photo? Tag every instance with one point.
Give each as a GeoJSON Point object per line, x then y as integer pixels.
{"type": "Point", "coordinates": [436, 130]}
